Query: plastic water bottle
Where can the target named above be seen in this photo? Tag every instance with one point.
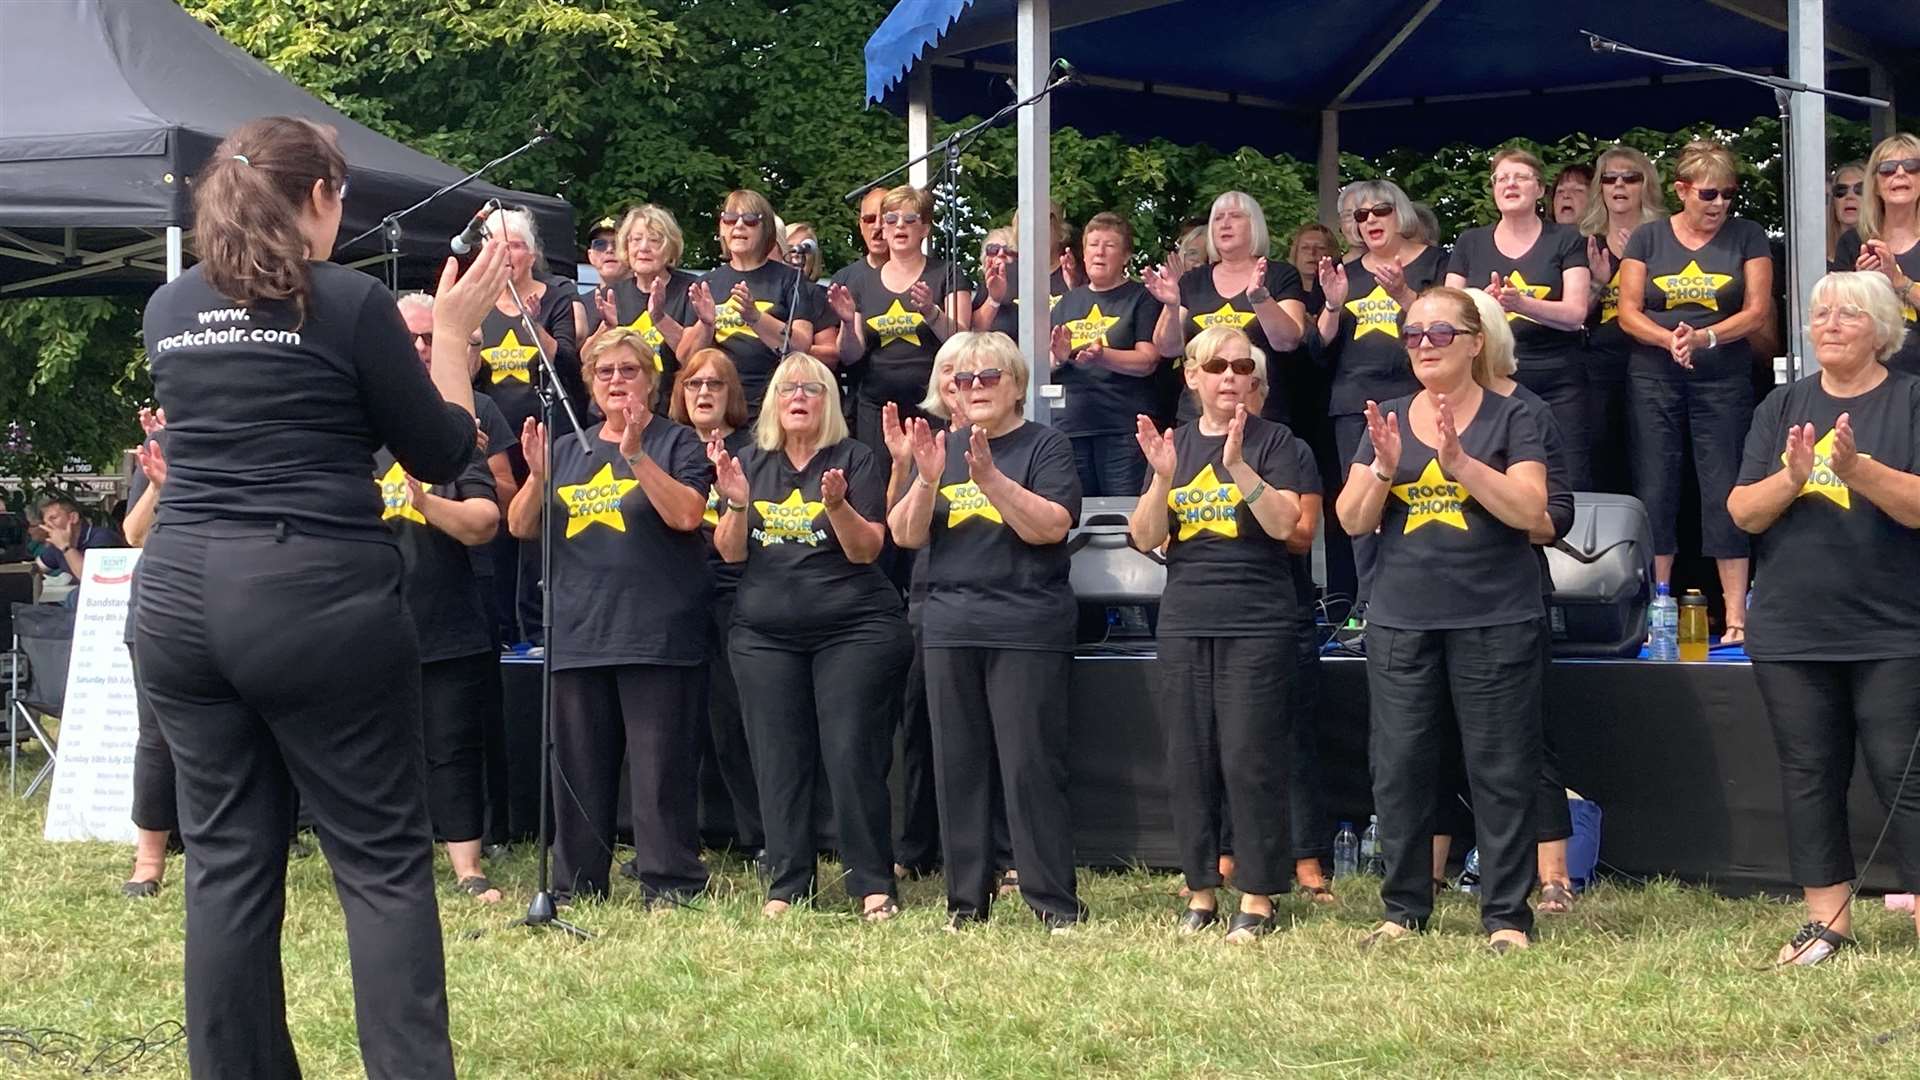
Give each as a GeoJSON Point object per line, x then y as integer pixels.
{"type": "Point", "coordinates": [1346, 852]}
{"type": "Point", "coordinates": [1663, 627]}
{"type": "Point", "coordinates": [1470, 873]}
{"type": "Point", "coordinates": [1370, 861]}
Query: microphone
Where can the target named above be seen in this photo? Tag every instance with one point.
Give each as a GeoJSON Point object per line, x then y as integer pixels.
{"type": "Point", "coordinates": [1599, 44]}
{"type": "Point", "coordinates": [476, 230]}
{"type": "Point", "coordinates": [1066, 74]}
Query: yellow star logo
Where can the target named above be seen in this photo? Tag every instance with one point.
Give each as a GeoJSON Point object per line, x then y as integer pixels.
{"type": "Point", "coordinates": [897, 324]}
{"type": "Point", "coordinates": [1206, 505]}
{"type": "Point", "coordinates": [654, 338]}
{"type": "Point", "coordinates": [1822, 481]}
{"type": "Point", "coordinates": [712, 515]}
{"type": "Point", "coordinates": [1433, 498]}
{"type": "Point", "coordinates": [510, 359]}
{"type": "Point", "coordinates": [965, 501]}
{"type": "Point", "coordinates": [1225, 315]}
{"type": "Point", "coordinates": [1093, 328]}
{"type": "Point", "coordinates": [1052, 301]}
{"type": "Point", "coordinates": [1538, 292]}
{"type": "Point", "coordinates": [727, 323]}
{"type": "Point", "coordinates": [1375, 313]}
{"type": "Point", "coordinates": [596, 502]}
{"type": "Point", "coordinates": [1908, 313]}
{"type": "Point", "coordinates": [1610, 299]}
{"type": "Point", "coordinates": [1692, 286]}
{"type": "Point", "coordinates": [789, 520]}
{"type": "Point", "coordinates": [395, 500]}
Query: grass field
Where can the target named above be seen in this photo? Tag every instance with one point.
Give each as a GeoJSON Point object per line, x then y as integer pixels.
{"type": "Point", "coordinates": [1640, 981]}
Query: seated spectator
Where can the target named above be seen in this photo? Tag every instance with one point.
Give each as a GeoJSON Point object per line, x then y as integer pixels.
{"type": "Point", "coordinates": [66, 534]}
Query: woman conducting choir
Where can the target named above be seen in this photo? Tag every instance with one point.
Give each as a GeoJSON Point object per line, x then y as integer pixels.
{"type": "Point", "coordinates": [1537, 271]}
{"type": "Point", "coordinates": [1104, 359]}
{"type": "Point", "coordinates": [1693, 289]}
{"type": "Point", "coordinates": [1629, 198]}
{"type": "Point", "coordinates": [630, 578]}
{"type": "Point", "coordinates": [1455, 480]}
{"type": "Point", "coordinates": [745, 305]}
{"type": "Point", "coordinates": [993, 505]}
{"type": "Point", "coordinates": [269, 633]}
{"type": "Point", "coordinates": [1828, 490]}
{"type": "Point", "coordinates": [1887, 239]}
{"type": "Point", "coordinates": [1224, 499]}
{"type": "Point", "coordinates": [819, 641]}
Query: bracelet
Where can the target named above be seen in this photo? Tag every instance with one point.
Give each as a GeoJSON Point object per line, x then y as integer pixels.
{"type": "Point", "coordinates": [737, 508]}
{"type": "Point", "coordinates": [923, 481]}
{"type": "Point", "coordinates": [1713, 339]}
{"type": "Point", "coordinates": [1385, 478]}
{"type": "Point", "coordinates": [1253, 496]}
{"type": "Point", "coordinates": [634, 461]}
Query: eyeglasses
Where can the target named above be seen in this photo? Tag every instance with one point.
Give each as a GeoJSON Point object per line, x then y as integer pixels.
{"type": "Point", "coordinates": [749, 218]}
{"type": "Point", "coordinates": [898, 217]}
{"type": "Point", "coordinates": [1217, 364]}
{"type": "Point", "coordinates": [340, 185]}
{"type": "Point", "coordinates": [627, 372]}
{"type": "Point", "coordinates": [1623, 177]}
{"type": "Point", "coordinates": [988, 378]}
{"type": "Point", "coordinates": [706, 382]}
{"type": "Point", "coordinates": [1846, 313]}
{"type": "Point", "coordinates": [1439, 335]}
{"type": "Point", "coordinates": [1514, 178]}
{"type": "Point", "coordinates": [1383, 210]}
{"type": "Point", "coordinates": [601, 244]}
{"type": "Point", "coordinates": [996, 249]}
{"type": "Point", "coordinates": [1712, 194]}
{"type": "Point", "coordinates": [1841, 191]}
{"type": "Point", "coordinates": [801, 389]}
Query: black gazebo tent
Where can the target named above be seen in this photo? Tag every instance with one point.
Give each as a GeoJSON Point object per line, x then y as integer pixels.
{"type": "Point", "coordinates": [107, 108]}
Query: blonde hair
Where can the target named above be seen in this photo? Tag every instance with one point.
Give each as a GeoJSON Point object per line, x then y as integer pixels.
{"type": "Point", "coordinates": [977, 350]}
{"type": "Point", "coordinates": [1705, 159]}
{"type": "Point", "coordinates": [1872, 293]}
{"type": "Point", "coordinates": [810, 266]}
{"type": "Point", "coordinates": [618, 337]}
{"type": "Point", "coordinates": [660, 221]}
{"type": "Point", "coordinates": [1653, 205]}
{"type": "Point", "coordinates": [1834, 225]}
{"type": "Point", "coordinates": [935, 403]}
{"type": "Point", "coordinates": [1498, 347]}
{"type": "Point", "coordinates": [1471, 322]}
{"type": "Point", "coordinates": [908, 197]}
{"type": "Point", "coordinates": [1207, 344]}
{"type": "Point", "coordinates": [1873, 210]}
{"type": "Point", "coordinates": [800, 367]}
{"type": "Point", "coordinates": [1256, 220]}
{"type": "Point", "coordinates": [1001, 235]}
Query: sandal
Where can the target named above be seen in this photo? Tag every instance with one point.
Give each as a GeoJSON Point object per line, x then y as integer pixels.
{"type": "Point", "coordinates": [1318, 894]}
{"type": "Point", "coordinates": [476, 886]}
{"type": "Point", "coordinates": [1555, 899]}
{"type": "Point", "coordinates": [1501, 946]}
{"type": "Point", "coordinates": [882, 913]}
{"type": "Point", "coordinates": [1734, 634]}
{"type": "Point", "coordinates": [1386, 934]}
{"type": "Point", "coordinates": [1009, 883]}
{"type": "Point", "coordinates": [140, 890]}
{"type": "Point", "coordinates": [1196, 919]}
{"type": "Point", "coordinates": [1245, 927]}
{"type": "Point", "coordinates": [1814, 943]}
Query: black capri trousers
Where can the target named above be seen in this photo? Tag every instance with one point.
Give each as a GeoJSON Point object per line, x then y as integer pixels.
{"type": "Point", "coordinates": [459, 698]}
{"type": "Point", "coordinates": [155, 806]}
{"type": "Point", "coordinates": [1820, 711]}
{"type": "Point", "coordinates": [1668, 415]}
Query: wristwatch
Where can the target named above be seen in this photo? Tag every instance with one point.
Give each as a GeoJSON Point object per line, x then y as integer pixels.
{"type": "Point", "coordinates": [736, 508]}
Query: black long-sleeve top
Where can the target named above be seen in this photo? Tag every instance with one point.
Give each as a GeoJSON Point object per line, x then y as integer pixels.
{"type": "Point", "coordinates": [275, 417]}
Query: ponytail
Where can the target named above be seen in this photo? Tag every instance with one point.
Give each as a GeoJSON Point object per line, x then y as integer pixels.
{"type": "Point", "coordinates": [247, 203]}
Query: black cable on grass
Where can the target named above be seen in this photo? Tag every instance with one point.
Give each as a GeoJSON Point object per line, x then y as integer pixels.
{"type": "Point", "coordinates": [53, 1046]}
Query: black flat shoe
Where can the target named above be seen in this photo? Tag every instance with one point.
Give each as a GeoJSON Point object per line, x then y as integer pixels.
{"type": "Point", "coordinates": [1246, 927]}
{"type": "Point", "coordinates": [1814, 943]}
{"type": "Point", "coordinates": [1197, 919]}
{"type": "Point", "coordinates": [140, 890]}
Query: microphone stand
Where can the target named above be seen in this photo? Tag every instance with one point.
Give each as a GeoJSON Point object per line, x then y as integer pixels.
{"type": "Point", "coordinates": [1783, 91]}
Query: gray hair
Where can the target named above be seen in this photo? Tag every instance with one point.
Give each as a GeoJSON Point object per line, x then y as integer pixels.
{"type": "Point", "coordinates": [1256, 219]}
{"type": "Point", "coordinates": [517, 223]}
{"type": "Point", "coordinates": [1371, 193]}
{"type": "Point", "coordinates": [1872, 293]}
{"type": "Point", "coordinates": [415, 301]}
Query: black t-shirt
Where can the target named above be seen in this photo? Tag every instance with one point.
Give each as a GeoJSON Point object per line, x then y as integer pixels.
{"type": "Point", "coordinates": [502, 437]}
{"type": "Point", "coordinates": [1560, 504]}
{"type": "Point", "coordinates": [986, 587]}
{"type": "Point", "coordinates": [439, 586]}
{"type": "Point", "coordinates": [1206, 307]}
{"type": "Point", "coordinates": [772, 284]}
{"type": "Point", "coordinates": [1445, 562]}
{"type": "Point", "coordinates": [1100, 400]}
{"type": "Point", "coordinates": [626, 588]}
{"type": "Point", "coordinates": [510, 364]}
{"type": "Point", "coordinates": [630, 307]}
{"type": "Point", "coordinates": [798, 582]}
{"type": "Point", "coordinates": [1369, 362]}
{"type": "Point", "coordinates": [274, 418]}
{"type": "Point", "coordinates": [1006, 317]}
{"type": "Point", "coordinates": [1847, 253]}
{"type": "Point", "coordinates": [1834, 576]}
{"type": "Point", "coordinates": [1699, 288]}
{"type": "Point", "coordinates": [899, 344]}
{"type": "Point", "coordinates": [726, 575]}
{"type": "Point", "coordinates": [1225, 575]}
{"type": "Point", "coordinates": [1607, 344]}
{"type": "Point", "coordinates": [823, 316]}
{"type": "Point", "coordinates": [1540, 273]}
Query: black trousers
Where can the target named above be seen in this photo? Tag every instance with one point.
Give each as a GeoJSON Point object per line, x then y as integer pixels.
{"type": "Point", "coordinates": [1306, 807]}
{"type": "Point", "coordinates": [155, 806]}
{"type": "Point", "coordinates": [502, 588]}
{"type": "Point", "coordinates": [457, 698]}
{"type": "Point", "coordinates": [649, 715]}
{"type": "Point", "coordinates": [277, 660]}
{"type": "Point", "coordinates": [1224, 711]}
{"type": "Point", "coordinates": [1552, 817]}
{"type": "Point", "coordinates": [1013, 701]}
{"type": "Point", "coordinates": [1110, 466]}
{"type": "Point", "coordinates": [1564, 388]}
{"type": "Point", "coordinates": [917, 846]}
{"type": "Point", "coordinates": [1822, 710]}
{"type": "Point", "coordinates": [1609, 456]}
{"type": "Point", "coordinates": [1348, 433]}
{"type": "Point", "coordinates": [1711, 415]}
{"type": "Point", "coordinates": [527, 599]}
{"type": "Point", "coordinates": [1491, 677]}
{"type": "Point", "coordinates": [831, 701]}
{"type": "Point", "coordinates": [726, 755]}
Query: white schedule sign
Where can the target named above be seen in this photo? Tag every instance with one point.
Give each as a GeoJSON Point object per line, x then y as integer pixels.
{"type": "Point", "coordinates": [92, 795]}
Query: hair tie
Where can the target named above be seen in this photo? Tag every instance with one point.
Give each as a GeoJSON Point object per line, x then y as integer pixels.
{"type": "Point", "coordinates": [242, 159]}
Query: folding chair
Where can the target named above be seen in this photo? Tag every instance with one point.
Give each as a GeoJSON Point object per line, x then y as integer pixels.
{"type": "Point", "coordinates": [36, 683]}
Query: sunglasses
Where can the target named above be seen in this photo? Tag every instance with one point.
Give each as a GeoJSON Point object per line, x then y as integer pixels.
{"type": "Point", "coordinates": [1841, 191]}
{"type": "Point", "coordinates": [1217, 364]}
{"type": "Point", "coordinates": [869, 219]}
{"type": "Point", "coordinates": [1623, 177]}
{"type": "Point", "coordinates": [988, 378]}
{"type": "Point", "coordinates": [627, 372]}
{"type": "Point", "coordinates": [997, 249]}
{"type": "Point", "coordinates": [1885, 168]}
{"type": "Point", "coordinates": [1439, 335]}
{"type": "Point", "coordinates": [801, 389]}
{"type": "Point", "coordinates": [1361, 215]}
{"type": "Point", "coordinates": [705, 383]}
{"type": "Point", "coordinates": [601, 244]}
{"type": "Point", "coordinates": [426, 337]}
{"type": "Point", "coordinates": [1714, 194]}
{"type": "Point", "coordinates": [896, 217]}
{"type": "Point", "coordinates": [749, 218]}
